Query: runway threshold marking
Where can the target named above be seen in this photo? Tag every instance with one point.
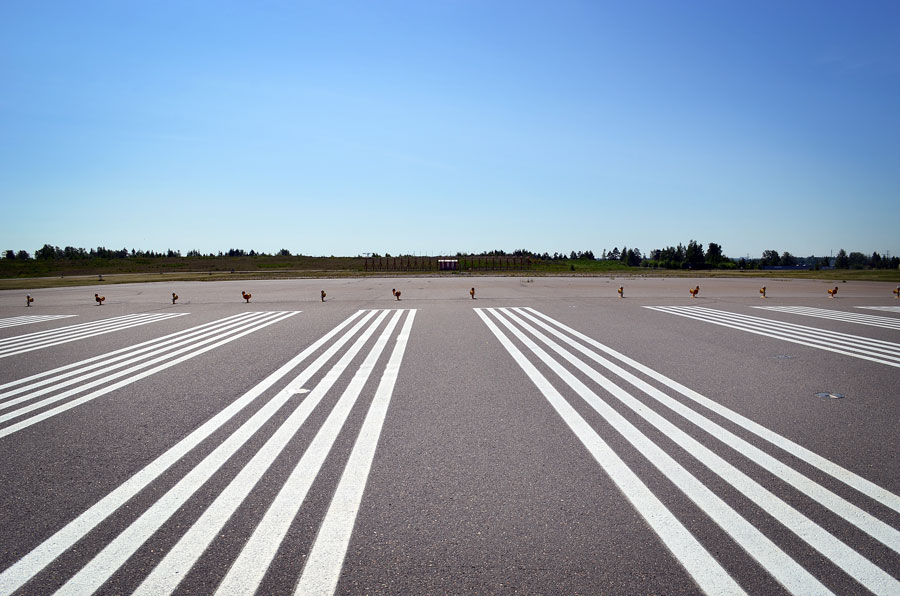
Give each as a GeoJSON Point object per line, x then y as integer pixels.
{"type": "Point", "coordinates": [710, 576]}
{"type": "Point", "coordinates": [837, 315]}
{"type": "Point", "coordinates": [21, 344]}
{"type": "Point", "coordinates": [160, 354]}
{"type": "Point", "coordinates": [326, 558]}
{"type": "Point", "coordinates": [882, 308]}
{"type": "Point", "coordinates": [873, 350]}
{"type": "Point", "coordinates": [116, 355]}
{"type": "Point", "coordinates": [29, 319]}
{"type": "Point", "coordinates": [168, 573]}
{"type": "Point", "coordinates": [519, 321]}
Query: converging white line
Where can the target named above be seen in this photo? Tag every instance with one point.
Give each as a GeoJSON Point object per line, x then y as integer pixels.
{"type": "Point", "coordinates": [27, 320]}
{"type": "Point", "coordinates": [48, 551]}
{"type": "Point", "coordinates": [8, 430]}
{"type": "Point", "coordinates": [22, 344]}
{"type": "Point", "coordinates": [700, 565]}
{"type": "Point", "coordinates": [166, 576]}
{"type": "Point", "coordinates": [837, 315]}
{"type": "Point", "coordinates": [109, 359]}
{"type": "Point", "coordinates": [872, 350]}
{"type": "Point", "coordinates": [216, 332]}
{"type": "Point", "coordinates": [853, 514]}
{"type": "Point", "coordinates": [784, 569]}
{"type": "Point", "coordinates": [326, 558]}
{"type": "Point", "coordinates": [130, 349]}
{"type": "Point", "coordinates": [866, 487]}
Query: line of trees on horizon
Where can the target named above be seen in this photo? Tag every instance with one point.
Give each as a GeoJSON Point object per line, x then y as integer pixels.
{"type": "Point", "coordinates": [50, 252]}
{"type": "Point", "coordinates": [690, 256]}
{"type": "Point", "coordinates": [693, 256]}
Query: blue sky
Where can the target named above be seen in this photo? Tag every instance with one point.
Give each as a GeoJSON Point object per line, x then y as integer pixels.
{"type": "Point", "coordinates": [442, 126]}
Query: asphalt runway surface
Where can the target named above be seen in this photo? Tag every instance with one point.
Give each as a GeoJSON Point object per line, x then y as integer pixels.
{"type": "Point", "coordinates": [545, 437]}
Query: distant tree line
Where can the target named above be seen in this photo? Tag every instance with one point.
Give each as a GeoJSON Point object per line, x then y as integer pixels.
{"type": "Point", "coordinates": [557, 256]}
{"type": "Point", "coordinates": [522, 252]}
{"type": "Point", "coordinates": [843, 260]}
{"type": "Point", "coordinates": [49, 252]}
{"type": "Point", "coordinates": [692, 256]}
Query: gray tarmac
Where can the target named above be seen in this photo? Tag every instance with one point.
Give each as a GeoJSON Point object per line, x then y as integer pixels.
{"type": "Point", "coordinates": [480, 483]}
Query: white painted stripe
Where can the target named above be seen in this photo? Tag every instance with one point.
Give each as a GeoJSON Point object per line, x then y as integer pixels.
{"type": "Point", "coordinates": [860, 346]}
{"type": "Point", "coordinates": [137, 323]}
{"type": "Point", "coordinates": [8, 430]}
{"type": "Point", "coordinates": [177, 563]}
{"type": "Point", "coordinates": [858, 567]}
{"type": "Point", "coordinates": [767, 328]}
{"type": "Point", "coordinates": [57, 331]}
{"type": "Point", "coordinates": [99, 329]}
{"type": "Point", "coordinates": [876, 528]}
{"type": "Point", "coordinates": [55, 341]}
{"type": "Point", "coordinates": [700, 565]}
{"type": "Point", "coordinates": [67, 333]}
{"type": "Point", "coordinates": [837, 315]}
{"type": "Point", "coordinates": [82, 363]}
{"type": "Point", "coordinates": [154, 350]}
{"type": "Point", "coordinates": [27, 320]}
{"type": "Point", "coordinates": [782, 567]}
{"type": "Point", "coordinates": [849, 478]}
{"type": "Point", "coordinates": [783, 326]}
{"type": "Point", "coordinates": [882, 308]}
{"type": "Point", "coordinates": [15, 321]}
{"type": "Point", "coordinates": [96, 362]}
{"type": "Point", "coordinates": [813, 333]}
{"type": "Point", "coordinates": [71, 331]}
{"type": "Point", "coordinates": [35, 561]}
{"type": "Point", "coordinates": [326, 558]}
{"type": "Point", "coordinates": [115, 554]}
{"type": "Point", "coordinates": [84, 386]}
{"type": "Point", "coordinates": [880, 359]}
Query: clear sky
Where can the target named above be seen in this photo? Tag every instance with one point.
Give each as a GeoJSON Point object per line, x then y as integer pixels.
{"type": "Point", "coordinates": [439, 126]}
